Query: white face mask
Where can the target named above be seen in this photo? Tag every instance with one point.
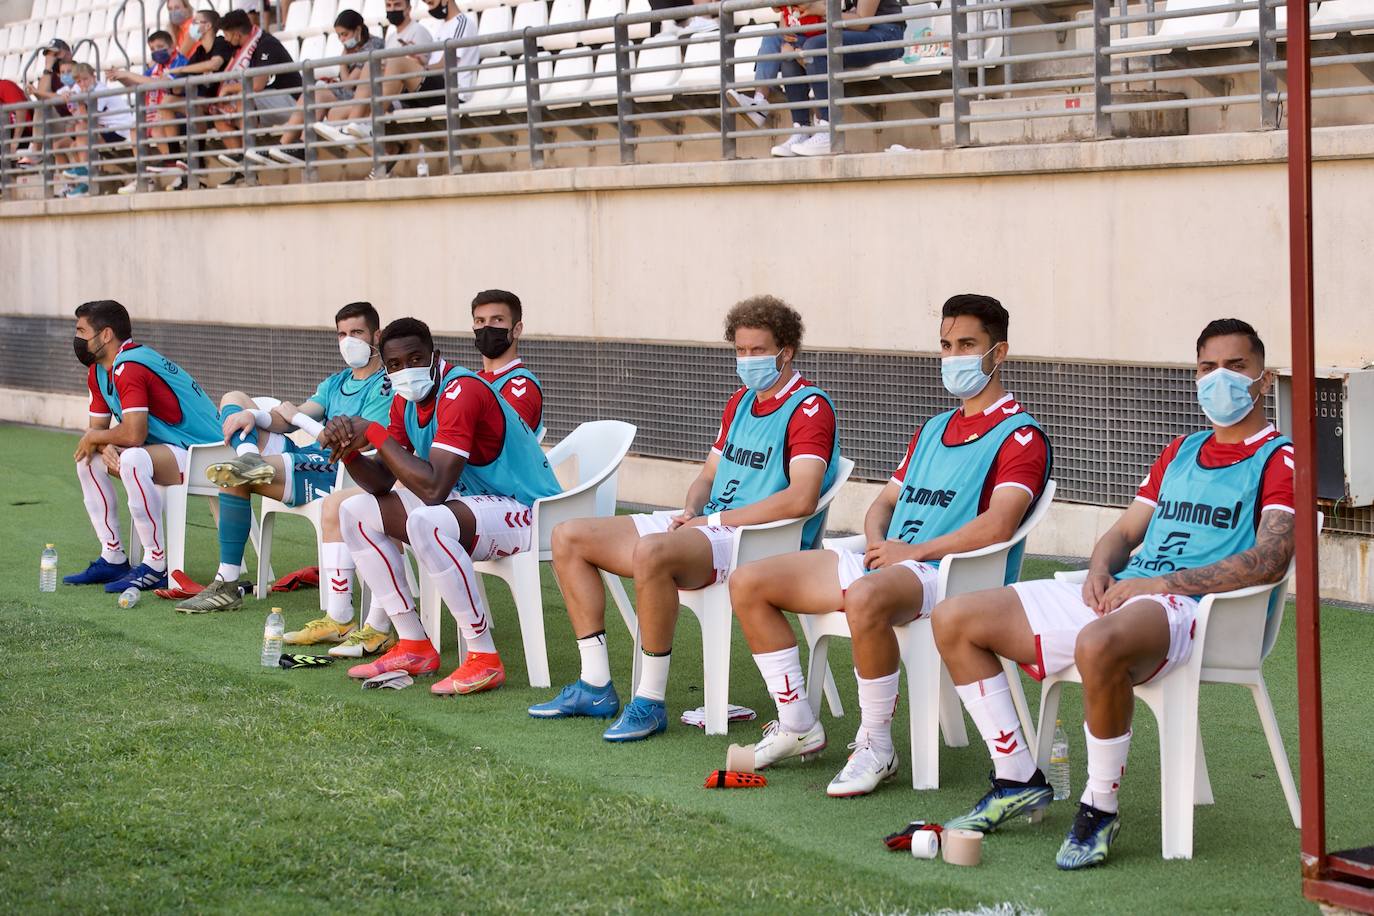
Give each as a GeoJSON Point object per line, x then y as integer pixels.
{"type": "Point", "coordinates": [413, 384]}
{"type": "Point", "coordinates": [356, 353]}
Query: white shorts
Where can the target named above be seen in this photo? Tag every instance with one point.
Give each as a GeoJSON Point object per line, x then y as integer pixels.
{"type": "Point", "coordinates": [182, 456]}
{"type": "Point", "coordinates": [851, 570]}
{"type": "Point", "coordinates": [1056, 613]}
{"type": "Point", "coordinates": [721, 537]}
{"type": "Point", "coordinates": [503, 524]}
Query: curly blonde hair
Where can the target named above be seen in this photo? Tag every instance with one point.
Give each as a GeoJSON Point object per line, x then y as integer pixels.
{"type": "Point", "coordinates": [769, 313]}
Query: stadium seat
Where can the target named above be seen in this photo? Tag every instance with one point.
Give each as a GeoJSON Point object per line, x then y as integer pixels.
{"type": "Point", "coordinates": [654, 53]}
{"type": "Point", "coordinates": [601, 9]}
{"type": "Point", "coordinates": [638, 31]}
{"type": "Point", "coordinates": [598, 447]}
{"type": "Point", "coordinates": [569, 91]}
{"type": "Point", "coordinates": [932, 704]}
{"type": "Point", "coordinates": [713, 610]}
{"type": "Point", "coordinates": [564, 12]}
{"type": "Point", "coordinates": [1333, 14]}
{"type": "Point", "coordinates": [354, 5]}
{"type": "Point", "coordinates": [531, 15]}
{"type": "Point", "coordinates": [701, 66]}
{"type": "Point", "coordinates": [1233, 634]}
{"type": "Point", "coordinates": [495, 20]}
{"type": "Point", "coordinates": [99, 24]}
{"type": "Point", "coordinates": [478, 6]}
{"type": "Point", "coordinates": [1179, 32]}
{"type": "Point", "coordinates": [297, 20]}
{"type": "Point", "coordinates": [491, 88]}
{"type": "Point", "coordinates": [312, 48]}
{"type": "Point", "coordinates": [374, 12]}
{"type": "Point", "coordinates": [322, 13]}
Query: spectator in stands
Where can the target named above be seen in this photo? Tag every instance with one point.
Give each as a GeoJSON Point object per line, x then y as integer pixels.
{"type": "Point", "coordinates": [767, 70]}
{"type": "Point", "coordinates": [356, 39]}
{"type": "Point", "coordinates": [210, 52]}
{"type": "Point", "coordinates": [818, 144]}
{"type": "Point", "coordinates": [49, 84]}
{"type": "Point", "coordinates": [670, 27]}
{"type": "Point", "coordinates": [179, 14]}
{"type": "Point", "coordinates": [62, 133]}
{"type": "Point", "coordinates": [114, 121]}
{"type": "Point", "coordinates": [162, 109]}
{"type": "Point", "coordinates": [11, 93]}
{"type": "Point", "coordinates": [271, 99]}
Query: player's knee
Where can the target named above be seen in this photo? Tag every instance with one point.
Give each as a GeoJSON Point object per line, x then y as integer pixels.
{"type": "Point", "coordinates": [422, 532]}
{"type": "Point", "coordinates": [950, 621]}
{"type": "Point", "coordinates": [135, 461]}
{"type": "Point", "coordinates": [237, 398]}
{"type": "Point", "coordinates": [746, 586]}
{"type": "Point", "coordinates": [653, 556]}
{"type": "Point", "coordinates": [1097, 650]}
{"type": "Point", "coordinates": [567, 540]}
{"type": "Point", "coordinates": [354, 512]}
{"type": "Point", "coordinates": [866, 606]}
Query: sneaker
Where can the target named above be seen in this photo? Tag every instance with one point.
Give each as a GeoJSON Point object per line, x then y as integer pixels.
{"type": "Point", "coordinates": [181, 184]}
{"type": "Point", "coordinates": [814, 145]}
{"type": "Point", "coordinates": [321, 629]}
{"type": "Point", "coordinates": [642, 718]}
{"type": "Point", "coordinates": [257, 156]}
{"type": "Point", "coordinates": [75, 171]}
{"type": "Point", "coordinates": [863, 773]}
{"type": "Point", "coordinates": [130, 188]}
{"type": "Point", "coordinates": [748, 102]}
{"type": "Point", "coordinates": [358, 130]}
{"type": "Point", "coordinates": [236, 178]}
{"type": "Point", "coordinates": [415, 657]}
{"type": "Point", "coordinates": [381, 172]}
{"type": "Point", "coordinates": [363, 642]}
{"type": "Point", "coordinates": [244, 470]}
{"type": "Point", "coordinates": [785, 147]}
{"type": "Point", "coordinates": [98, 573]}
{"type": "Point", "coordinates": [288, 155]}
{"type": "Point", "coordinates": [142, 577]}
{"type": "Point", "coordinates": [1091, 835]}
{"type": "Point", "coordinates": [217, 596]}
{"type": "Point", "coordinates": [700, 24]}
{"type": "Point", "coordinates": [78, 190]}
{"type": "Point", "coordinates": [579, 699]}
{"type": "Point", "coordinates": [479, 672]}
{"type": "Point", "coordinates": [1005, 801]}
{"type": "Point", "coordinates": [230, 160]}
{"type": "Point", "coordinates": [779, 744]}
{"type": "Point", "coordinates": [334, 134]}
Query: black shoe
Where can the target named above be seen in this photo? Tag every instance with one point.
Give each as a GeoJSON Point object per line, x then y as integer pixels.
{"type": "Point", "coordinates": [236, 178]}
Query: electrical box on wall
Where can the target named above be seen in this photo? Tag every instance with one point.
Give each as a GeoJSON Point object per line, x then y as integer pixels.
{"type": "Point", "coordinates": [1345, 432]}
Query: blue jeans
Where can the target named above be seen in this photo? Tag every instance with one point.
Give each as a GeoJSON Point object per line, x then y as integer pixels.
{"type": "Point", "coordinates": [818, 66]}
{"type": "Point", "coordinates": [768, 69]}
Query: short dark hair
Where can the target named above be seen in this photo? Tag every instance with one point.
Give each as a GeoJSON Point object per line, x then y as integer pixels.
{"type": "Point", "coordinates": [769, 313]}
{"type": "Point", "coordinates": [406, 327]}
{"type": "Point", "coordinates": [353, 21]}
{"type": "Point", "coordinates": [106, 313]}
{"type": "Point", "coordinates": [505, 297]}
{"type": "Point", "coordinates": [235, 21]}
{"type": "Point", "coordinates": [985, 308]}
{"type": "Point", "coordinates": [160, 35]}
{"type": "Point", "coordinates": [211, 16]}
{"type": "Point", "coordinates": [1224, 327]}
{"type": "Point", "coordinates": [363, 310]}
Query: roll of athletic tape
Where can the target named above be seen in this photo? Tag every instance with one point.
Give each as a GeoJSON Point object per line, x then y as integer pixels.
{"type": "Point", "coordinates": [739, 758]}
{"type": "Point", "coordinates": [925, 844]}
{"type": "Point", "coordinates": [962, 847]}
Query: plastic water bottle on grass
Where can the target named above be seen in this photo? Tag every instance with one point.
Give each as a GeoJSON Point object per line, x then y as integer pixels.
{"type": "Point", "coordinates": [47, 569]}
{"type": "Point", "coordinates": [1059, 762]}
{"type": "Point", "coordinates": [129, 597]}
{"type": "Point", "coordinates": [271, 638]}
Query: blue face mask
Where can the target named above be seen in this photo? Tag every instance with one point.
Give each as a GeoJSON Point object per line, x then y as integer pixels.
{"type": "Point", "coordinates": [196, 31]}
{"type": "Point", "coordinates": [758, 372]}
{"type": "Point", "coordinates": [964, 376]}
{"type": "Point", "coordinates": [1224, 396]}
{"type": "Point", "coordinates": [67, 79]}
{"type": "Point", "coordinates": [162, 56]}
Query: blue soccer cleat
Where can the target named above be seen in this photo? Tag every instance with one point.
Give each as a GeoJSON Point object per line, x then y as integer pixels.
{"type": "Point", "coordinates": [142, 577]}
{"type": "Point", "coordinates": [579, 699]}
{"type": "Point", "coordinates": [641, 719]}
{"type": "Point", "coordinates": [1089, 838]}
{"type": "Point", "coordinates": [98, 573]}
{"type": "Point", "coordinates": [1003, 802]}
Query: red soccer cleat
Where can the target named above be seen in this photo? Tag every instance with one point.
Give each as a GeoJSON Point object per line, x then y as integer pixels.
{"type": "Point", "coordinates": [415, 657]}
{"type": "Point", "coordinates": [479, 671]}
{"type": "Point", "coordinates": [180, 587]}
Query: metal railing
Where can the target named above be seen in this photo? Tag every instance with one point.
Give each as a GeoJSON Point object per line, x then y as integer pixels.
{"type": "Point", "coordinates": [539, 95]}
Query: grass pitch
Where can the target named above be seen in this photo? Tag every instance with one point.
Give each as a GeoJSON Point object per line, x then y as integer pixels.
{"type": "Point", "coordinates": [148, 763]}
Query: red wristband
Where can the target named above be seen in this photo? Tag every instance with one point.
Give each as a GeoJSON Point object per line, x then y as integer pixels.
{"type": "Point", "coordinates": [352, 457]}
{"type": "Point", "coordinates": [377, 434]}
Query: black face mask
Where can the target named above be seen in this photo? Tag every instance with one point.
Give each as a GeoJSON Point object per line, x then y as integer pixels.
{"type": "Point", "coordinates": [395, 17]}
{"type": "Point", "coordinates": [492, 341]}
{"type": "Point", "coordinates": [82, 346]}
{"type": "Point", "coordinates": [439, 12]}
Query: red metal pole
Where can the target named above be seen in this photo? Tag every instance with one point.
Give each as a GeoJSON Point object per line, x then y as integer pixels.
{"type": "Point", "coordinates": [1313, 765]}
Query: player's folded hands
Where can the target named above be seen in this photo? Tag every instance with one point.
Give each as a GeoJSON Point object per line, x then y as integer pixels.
{"type": "Point", "coordinates": [1125, 590]}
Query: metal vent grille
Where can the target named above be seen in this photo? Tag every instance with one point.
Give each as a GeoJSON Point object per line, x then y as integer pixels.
{"type": "Point", "coordinates": [1106, 422]}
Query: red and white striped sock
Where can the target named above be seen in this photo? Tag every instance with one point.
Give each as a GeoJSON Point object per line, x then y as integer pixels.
{"type": "Point", "coordinates": [376, 556]}
{"type": "Point", "coordinates": [435, 536]}
{"type": "Point", "coordinates": [97, 491]}
{"type": "Point", "coordinates": [145, 504]}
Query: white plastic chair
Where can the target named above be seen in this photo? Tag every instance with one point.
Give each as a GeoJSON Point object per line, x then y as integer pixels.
{"type": "Point", "coordinates": [701, 66]}
{"type": "Point", "coordinates": [297, 19]}
{"type": "Point", "coordinates": [491, 90]}
{"type": "Point", "coordinates": [567, 91]}
{"type": "Point", "coordinates": [311, 512]}
{"type": "Point", "coordinates": [1181, 31]}
{"type": "Point", "coordinates": [493, 21]}
{"type": "Point", "coordinates": [601, 9]}
{"type": "Point", "coordinates": [932, 704]}
{"type": "Point", "coordinates": [564, 12]}
{"type": "Point", "coordinates": [654, 53]}
{"type": "Point", "coordinates": [713, 610]}
{"type": "Point", "coordinates": [1233, 635]}
{"type": "Point", "coordinates": [599, 447]}
{"type": "Point", "coordinates": [1333, 15]}
{"type": "Point", "coordinates": [322, 14]}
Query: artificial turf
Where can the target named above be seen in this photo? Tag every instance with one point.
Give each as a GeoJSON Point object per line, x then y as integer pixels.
{"type": "Point", "coordinates": [148, 762]}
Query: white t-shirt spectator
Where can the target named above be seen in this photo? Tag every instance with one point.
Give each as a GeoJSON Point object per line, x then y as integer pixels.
{"type": "Point", "coordinates": [464, 25]}
{"type": "Point", "coordinates": [412, 34]}
{"type": "Point", "coordinates": [112, 112]}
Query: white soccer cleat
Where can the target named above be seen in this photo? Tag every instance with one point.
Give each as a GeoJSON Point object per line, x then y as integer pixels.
{"type": "Point", "coordinates": [779, 744]}
{"type": "Point", "coordinates": [864, 772]}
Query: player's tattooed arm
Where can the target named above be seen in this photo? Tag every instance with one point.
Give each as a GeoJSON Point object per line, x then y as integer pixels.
{"type": "Point", "coordinates": [1266, 562]}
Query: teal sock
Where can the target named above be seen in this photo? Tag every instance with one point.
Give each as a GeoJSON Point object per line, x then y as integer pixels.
{"type": "Point", "coordinates": [235, 520]}
{"type": "Point", "coordinates": [237, 439]}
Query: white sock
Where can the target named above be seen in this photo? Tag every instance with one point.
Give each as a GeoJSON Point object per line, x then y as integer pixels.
{"type": "Point", "coordinates": [596, 663]}
{"type": "Point", "coordinates": [377, 618]}
{"type": "Point", "coordinates": [989, 703]}
{"type": "Point", "coordinates": [408, 625]}
{"type": "Point", "coordinates": [760, 97]}
{"type": "Point", "coordinates": [336, 577]}
{"type": "Point", "coordinates": [145, 504]}
{"type": "Point", "coordinates": [434, 536]}
{"type": "Point", "coordinates": [288, 477]}
{"type": "Point", "coordinates": [375, 555]}
{"type": "Point", "coordinates": [877, 704]}
{"type": "Point", "coordinates": [307, 424]}
{"type": "Point", "coordinates": [228, 572]}
{"type": "Point", "coordinates": [782, 672]}
{"type": "Point", "coordinates": [246, 448]}
{"type": "Point", "coordinates": [1106, 766]}
{"type": "Point", "coordinates": [653, 676]}
{"type": "Point", "coordinates": [97, 492]}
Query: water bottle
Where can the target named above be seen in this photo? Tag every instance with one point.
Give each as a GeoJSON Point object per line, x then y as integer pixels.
{"type": "Point", "coordinates": [129, 597]}
{"type": "Point", "coordinates": [271, 638]}
{"type": "Point", "coordinates": [47, 569]}
{"type": "Point", "coordinates": [1059, 762]}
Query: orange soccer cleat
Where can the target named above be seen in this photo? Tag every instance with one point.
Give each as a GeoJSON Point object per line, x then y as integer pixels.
{"type": "Point", "coordinates": [479, 671]}
{"type": "Point", "coordinates": [415, 657]}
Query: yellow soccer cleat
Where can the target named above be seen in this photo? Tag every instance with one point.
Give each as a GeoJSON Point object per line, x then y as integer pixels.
{"type": "Point", "coordinates": [323, 629]}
